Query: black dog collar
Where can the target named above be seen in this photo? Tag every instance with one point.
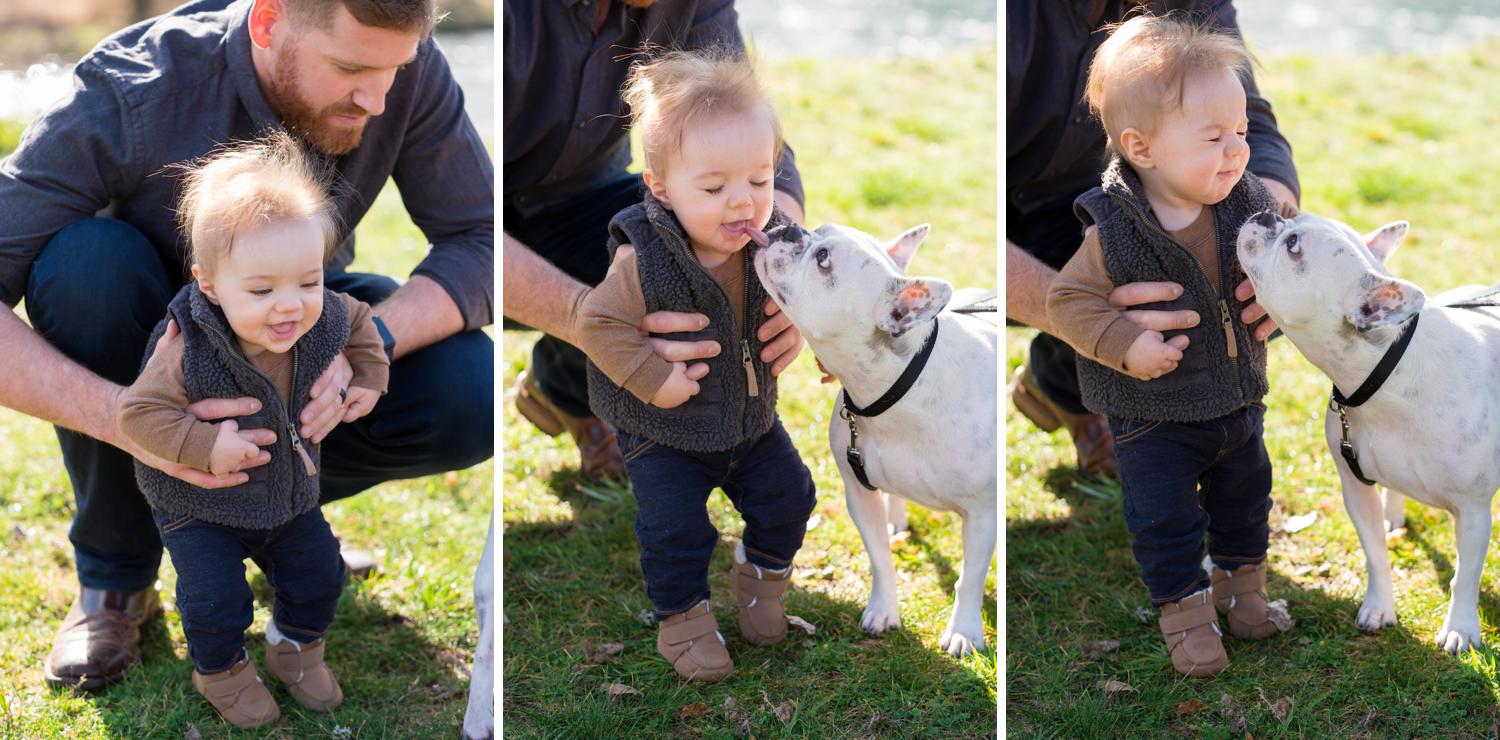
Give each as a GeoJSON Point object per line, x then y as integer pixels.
{"type": "Point", "coordinates": [850, 411]}
{"type": "Point", "coordinates": [1372, 384]}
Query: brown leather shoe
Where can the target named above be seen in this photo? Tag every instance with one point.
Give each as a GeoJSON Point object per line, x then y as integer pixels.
{"type": "Point", "coordinates": [238, 695]}
{"type": "Point", "coordinates": [1240, 595]}
{"type": "Point", "coordinates": [100, 639]}
{"type": "Point", "coordinates": [598, 452]}
{"type": "Point", "coordinates": [691, 642]}
{"type": "Point", "coordinates": [1090, 432]}
{"type": "Point", "coordinates": [306, 677]}
{"type": "Point", "coordinates": [760, 593]}
{"type": "Point", "coordinates": [1191, 627]}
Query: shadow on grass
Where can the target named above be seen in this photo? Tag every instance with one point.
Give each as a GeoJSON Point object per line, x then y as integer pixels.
{"type": "Point", "coordinates": [571, 588]}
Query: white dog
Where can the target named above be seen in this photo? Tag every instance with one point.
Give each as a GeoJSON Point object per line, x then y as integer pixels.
{"type": "Point", "coordinates": [1430, 431]}
{"type": "Point", "coordinates": [865, 320]}
{"type": "Point", "coordinates": [479, 719]}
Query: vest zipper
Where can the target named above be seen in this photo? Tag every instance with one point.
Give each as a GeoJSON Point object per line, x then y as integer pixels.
{"type": "Point", "coordinates": [291, 426]}
{"type": "Point", "coordinates": [1231, 348]}
{"type": "Point", "coordinates": [745, 357]}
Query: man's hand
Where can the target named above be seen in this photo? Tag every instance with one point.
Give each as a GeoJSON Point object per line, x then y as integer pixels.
{"type": "Point", "coordinates": [326, 409]}
{"type": "Point", "coordinates": [1134, 294]}
{"type": "Point", "coordinates": [667, 322]}
{"type": "Point", "coordinates": [1149, 357]}
{"type": "Point", "coordinates": [1253, 312]}
{"type": "Point", "coordinates": [787, 342]}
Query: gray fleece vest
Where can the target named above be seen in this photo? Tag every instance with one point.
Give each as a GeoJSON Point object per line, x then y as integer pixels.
{"type": "Point", "coordinates": [723, 414]}
{"type": "Point", "coordinates": [1217, 375]}
{"type": "Point", "coordinates": [214, 367]}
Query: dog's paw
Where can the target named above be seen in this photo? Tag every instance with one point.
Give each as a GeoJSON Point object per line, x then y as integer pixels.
{"type": "Point", "coordinates": [1456, 639]}
{"type": "Point", "coordinates": [959, 644]}
{"type": "Point", "coordinates": [878, 619]}
{"type": "Point", "coordinates": [1376, 614]}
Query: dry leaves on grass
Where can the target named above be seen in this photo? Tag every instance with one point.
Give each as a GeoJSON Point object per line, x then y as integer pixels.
{"type": "Point", "coordinates": [801, 624]}
{"type": "Point", "coordinates": [692, 711]}
{"type": "Point", "coordinates": [192, 733]}
{"type": "Point", "coordinates": [1232, 714]}
{"type": "Point", "coordinates": [738, 718]}
{"type": "Point", "coordinates": [609, 652]}
{"type": "Point", "coordinates": [1096, 649]}
{"type": "Point", "coordinates": [1277, 611]}
{"type": "Point", "coordinates": [1280, 709]}
{"type": "Point", "coordinates": [617, 689]}
{"type": "Point", "coordinates": [1111, 686]}
{"type": "Point", "coordinates": [1144, 615]}
{"type": "Point", "coordinates": [1295, 524]}
{"type": "Point", "coordinates": [1191, 706]}
{"type": "Point", "coordinates": [783, 711]}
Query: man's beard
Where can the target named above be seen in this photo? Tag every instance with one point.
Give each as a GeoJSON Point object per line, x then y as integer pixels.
{"type": "Point", "coordinates": [302, 120]}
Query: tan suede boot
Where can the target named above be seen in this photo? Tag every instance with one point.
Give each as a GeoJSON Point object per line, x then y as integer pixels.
{"type": "Point", "coordinates": [238, 695]}
{"type": "Point", "coordinates": [1240, 594]}
{"type": "Point", "coordinates": [307, 678]}
{"type": "Point", "coordinates": [1191, 628]}
{"type": "Point", "coordinates": [691, 642]}
{"type": "Point", "coordinates": [760, 593]}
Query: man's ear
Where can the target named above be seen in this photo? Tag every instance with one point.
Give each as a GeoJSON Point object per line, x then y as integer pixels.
{"type": "Point", "coordinates": [205, 285]}
{"type": "Point", "coordinates": [1136, 148]}
{"type": "Point", "coordinates": [912, 301]}
{"type": "Point", "coordinates": [657, 186]}
{"type": "Point", "coordinates": [1387, 301]}
{"type": "Point", "coordinates": [264, 15]}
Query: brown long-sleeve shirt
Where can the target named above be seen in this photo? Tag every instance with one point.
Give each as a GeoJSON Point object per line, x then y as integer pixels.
{"type": "Point", "coordinates": [612, 312]}
{"type": "Point", "coordinates": [153, 410]}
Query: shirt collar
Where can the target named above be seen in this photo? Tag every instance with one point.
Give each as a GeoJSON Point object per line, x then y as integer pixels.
{"type": "Point", "coordinates": [242, 71]}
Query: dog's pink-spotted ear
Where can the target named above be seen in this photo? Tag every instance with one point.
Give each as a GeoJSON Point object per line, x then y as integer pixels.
{"type": "Point", "coordinates": [911, 302]}
{"type": "Point", "coordinates": [1380, 300]}
{"type": "Point", "coordinates": [903, 247]}
{"type": "Point", "coordinates": [1384, 240]}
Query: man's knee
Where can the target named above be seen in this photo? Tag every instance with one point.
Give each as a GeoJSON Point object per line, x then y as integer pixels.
{"type": "Point", "coordinates": [458, 393]}
{"type": "Point", "coordinates": [97, 289]}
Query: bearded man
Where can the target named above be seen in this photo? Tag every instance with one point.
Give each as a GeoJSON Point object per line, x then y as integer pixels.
{"type": "Point", "coordinates": [88, 240]}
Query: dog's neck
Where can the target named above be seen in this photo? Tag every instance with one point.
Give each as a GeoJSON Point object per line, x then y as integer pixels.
{"type": "Point", "coordinates": [868, 368]}
{"type": "Point", "coordinates": [1350, 361]}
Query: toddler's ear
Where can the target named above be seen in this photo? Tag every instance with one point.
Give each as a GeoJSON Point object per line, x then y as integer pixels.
{"type": "Point", "coordinates": [205, 285]}
{"type": "Point", "coordinates": [657, 186]}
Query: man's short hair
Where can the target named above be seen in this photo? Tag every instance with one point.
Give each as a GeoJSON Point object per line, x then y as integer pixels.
{"type": "Point", "coordinates": [406, 16]}
{"type": "Point", "coordinates": [1139, 71]}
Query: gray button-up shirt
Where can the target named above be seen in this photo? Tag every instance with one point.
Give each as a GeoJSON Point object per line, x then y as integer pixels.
{"type": "Point", "coordinates": [172, 89]}
{"type": "Point", "coordinates": [565, 124]}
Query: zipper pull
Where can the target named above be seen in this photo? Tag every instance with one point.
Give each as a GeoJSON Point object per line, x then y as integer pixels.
{"type": "Point", "coordinates": [1228, 322]}
{"type": "Point", "coordinates": [749, 368]}
{"type": "Point", "coordinates": [307, 462]}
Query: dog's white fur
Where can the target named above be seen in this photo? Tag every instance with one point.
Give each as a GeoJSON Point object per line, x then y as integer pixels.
{"type": "Point", "coordinates": [479, 719]}
{"type": "Point", "coordinates": [864, 319]}
{"type": "Point", "coordinates": [1432, 431]}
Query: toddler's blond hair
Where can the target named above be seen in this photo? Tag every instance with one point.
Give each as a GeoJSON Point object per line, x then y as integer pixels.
{"type": "Point", "coordinates": [248, 184]}
{"type": "Point", "coordinates": [1139, 71]}
{"type": "Point", "coordinates": [667, 93]}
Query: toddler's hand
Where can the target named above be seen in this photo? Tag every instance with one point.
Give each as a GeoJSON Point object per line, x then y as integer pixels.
{"type": "Point", "coordinates": [677, 390]}
{"type": "Point", "coordinates": [232, 449]}
{"type": "Point", "coordinates": [360, 401]}
{"type": "Point", "coordinates": [1149, 357]}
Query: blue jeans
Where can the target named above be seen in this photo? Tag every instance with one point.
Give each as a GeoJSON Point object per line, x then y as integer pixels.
{"type": "Point", "coordinates": [1183, 481]}
{"type": "Point", "coordinates": [95, 293]}
{"type": "Point", "coordinates": [573, 236]}
{"type": "Point", "coordinates": [300, 559]}
{"type": "Point", "coordinates": [765, 480]}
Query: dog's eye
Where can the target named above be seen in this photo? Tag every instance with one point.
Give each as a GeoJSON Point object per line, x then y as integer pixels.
{"type": "Point", "coordinates": [821, 256]}
{"type": "Point", "coordinates": [1291, 245]}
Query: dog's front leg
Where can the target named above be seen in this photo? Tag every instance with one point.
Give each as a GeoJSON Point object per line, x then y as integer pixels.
{"type": "Point", "coordinates": [1460, 631]}
{"type": "Point", "coordinates": [965, 632]}
{"type": "Point", "coordinates": [1395, 509]}
{"type": "Point", "coordinates": [867, 509]}
{"type": "Point", "coordinates": [1368, 514]}
{"type": "Point", "coordinates": [895, 506]}
{"type": "Point", "coordinates": [479, 720]}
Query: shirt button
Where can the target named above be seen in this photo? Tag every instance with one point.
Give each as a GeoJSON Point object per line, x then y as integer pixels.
{"type": "Point", "coordinates": [1079, 118]}
{"type": "Point", "coordinates": [582, 124]}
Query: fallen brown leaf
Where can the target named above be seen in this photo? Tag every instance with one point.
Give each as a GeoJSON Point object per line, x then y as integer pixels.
{"type": "Point", "coordinates": [690, 711]}
{"type": "Point", "coordinates": [1280, 708]}
{"type": "Point", "coordinates": [192, 733]}
{"type": "Point", "coordinates": [618, 689]}
{"type": "Point", "coordinates": [1096, 649]}
{"type": "Point", "coordinates": [1144, 615]}
{"type": "Point", "coordinates": [1191, 706]}
{"type": "Point", "coordinates": [609, 652]}
{"type": "Point", "coordinates": [784, 711]}
{"type": "Point", "coordinates": [1112, 686]}
{"type": "Point", "coordinates": [1277, 611]}
{"type": "Point", "coordinates": [801, 624]}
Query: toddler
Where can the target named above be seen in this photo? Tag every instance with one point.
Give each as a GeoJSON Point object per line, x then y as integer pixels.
{"type": "Point", "coordinates": [711, 144]}
{"type": "Point", "coordinates": [1185, 411]}
{"type": "Point", "coordinates": [254, 321]}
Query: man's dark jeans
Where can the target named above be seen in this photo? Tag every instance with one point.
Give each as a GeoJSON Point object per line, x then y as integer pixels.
{"type": "Point", "coordinates": [574, 236]}
{"type": "Point", "coordinates": [1185, 480]}
{"type": "Point", "coordinates": [300, 559]}
{"type": "Point", "coordinates": [95, 293]}
{"type": "Point", "coordinates": [764, 479]}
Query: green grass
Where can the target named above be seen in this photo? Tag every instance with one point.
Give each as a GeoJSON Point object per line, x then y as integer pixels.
{"type": "Point", "coordinates": [400, 644]}
{"type": "Point", "coordinates": [1376, 139]}
{"type": "Point", "coordinates": [881, 146]}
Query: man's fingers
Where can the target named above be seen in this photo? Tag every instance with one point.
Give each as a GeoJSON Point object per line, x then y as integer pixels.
{"type": "Point", "coordinates": [697, 370]}
{"type": "Point", "coordinates": [203, 479]}
{"type": "Point", "coordinates": [1180, 342]}
{"type": "Point", "coordinates": [1162, 320]}
{"type": "Point", "coordinates": [666, 322]}
{"type": "Point", "coordinates": [776, 322]}
{"type": "Point", "coordinates": [213, 409]}
{"type": "Point", "coordinates": [1264, 330]}
{"type": "Point", "coordinates": [1134, 294]}
{"type": "Point", "coordinates": [1244, 291]}
{"type": "Point", "coordinates": [167, 336]}
{"type": "Point", "coordinates": [259, 437]}
{"type": "Point", "coordinates": [1252, 313]}
{"type": "Point", "coordinates": [261, 458]}
{"type": "Point", "coordinates": [673, 350]}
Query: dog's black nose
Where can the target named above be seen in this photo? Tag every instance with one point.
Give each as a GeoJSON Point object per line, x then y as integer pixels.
{"type": "Point", "coordinates": [1266, 219]}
